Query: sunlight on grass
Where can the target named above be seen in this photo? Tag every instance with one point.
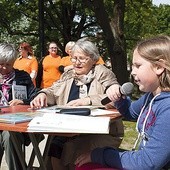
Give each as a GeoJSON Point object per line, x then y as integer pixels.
{"type": "Point", "coordinates": [130, 135]}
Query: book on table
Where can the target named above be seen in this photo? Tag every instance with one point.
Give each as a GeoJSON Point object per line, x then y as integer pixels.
{"type": "Point", "coordinates": [63, 123]}
{"type": "Point", "coordinates": [19, 117]}
{"type": "Point", "coordinates": [19, 92]}
{"type": "Point", "coordinates": [95, 110]}
{"type": "Point", "coordinates": [58, 108]}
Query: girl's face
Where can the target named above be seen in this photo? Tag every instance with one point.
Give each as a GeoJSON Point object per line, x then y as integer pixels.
{"type": "Point", "coordinates": [6, 68]}
{"type": "Point", "coordinates": [82, 64]}
{"type": "Point", "coordinates": [145, 74]}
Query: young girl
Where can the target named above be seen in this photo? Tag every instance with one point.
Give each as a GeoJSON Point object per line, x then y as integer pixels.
{"type": "Point", "coordinates": [151, 72]}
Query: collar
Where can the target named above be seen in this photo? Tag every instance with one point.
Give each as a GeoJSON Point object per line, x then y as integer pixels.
{"type": "Point", "coordinates": [29, 57]}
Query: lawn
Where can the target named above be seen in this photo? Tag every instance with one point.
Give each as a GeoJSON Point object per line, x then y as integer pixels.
{"type": "Point", "coordinates": [130, 135]}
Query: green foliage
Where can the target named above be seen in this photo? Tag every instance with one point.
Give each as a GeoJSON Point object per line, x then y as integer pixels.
{"type": "Point", "coordinates": [69, 20]}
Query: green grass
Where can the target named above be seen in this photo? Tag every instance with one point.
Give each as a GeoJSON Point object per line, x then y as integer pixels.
{"type": "Point", "coordinates": [130, 135]}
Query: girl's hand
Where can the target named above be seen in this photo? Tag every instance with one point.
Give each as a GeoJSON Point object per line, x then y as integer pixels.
{"type": "Point", "coordinates": [82, 159]}
{"type": "Point", "coordinates": [113, 92]}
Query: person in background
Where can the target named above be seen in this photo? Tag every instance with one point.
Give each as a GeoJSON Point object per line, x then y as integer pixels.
{"type": "Point", "coordinates": [151, 57]}
{"type": "Point", "coordinates": [10, 76]}
{"type": "Point", "coordinates": [65, 62]}
{"type": "Point", "coordinates": [84, 84]}
{"type": "Point", "coordinates": [50, 66]}
{"type": "Point", "coordinates": [27, 61]}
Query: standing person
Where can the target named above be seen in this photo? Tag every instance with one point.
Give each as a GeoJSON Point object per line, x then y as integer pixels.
{"type": "Point", "coordinates": [65, 62]}
{"type": "Point", "coordinates": [50, 66]}
{"type": "Point", "coordinates": [11, 76]}
{"type": "Point", "coordinates": [27, 61]}
{"type": "Point", "coordinates": [151, 72]}
{"type": "Point", "coordinates": [84, 84]}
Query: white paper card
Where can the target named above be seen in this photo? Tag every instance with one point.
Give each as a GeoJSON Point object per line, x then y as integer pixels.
{"type": "Point", "coordinates": [63, 123]}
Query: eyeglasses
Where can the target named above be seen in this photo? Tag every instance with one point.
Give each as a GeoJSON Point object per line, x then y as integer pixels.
{"type": "Point", "coordinates": [80, 60]}
{"type": "Point", "coordinates": [52, 47]}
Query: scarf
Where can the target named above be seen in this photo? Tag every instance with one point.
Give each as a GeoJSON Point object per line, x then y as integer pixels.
{"type": "Point", "coordinates": [7, 83]}
{"type": "Point", "coordinates": [82, 81]}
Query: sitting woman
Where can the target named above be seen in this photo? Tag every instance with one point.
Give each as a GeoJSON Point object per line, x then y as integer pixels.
{"type": "Point", "coordinates": [10, 77]}
{"type": "Point", "coordinates": [84, 84]}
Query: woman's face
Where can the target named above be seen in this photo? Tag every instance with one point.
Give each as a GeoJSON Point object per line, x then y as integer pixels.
{"type": "Point", "coordinates": [6, 68]}
{"type": "Point", "coordinates": [23, 52]}
{"type": "Point", "coordinates": [52, 48]}
{"type": "Point", "coordinates": [82, 63]}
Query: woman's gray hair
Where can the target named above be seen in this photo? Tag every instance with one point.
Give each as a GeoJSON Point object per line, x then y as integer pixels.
{"type": "Point", "coordinates": [8, 52]}
{"type": "Point", "coordinates": [88, 48]}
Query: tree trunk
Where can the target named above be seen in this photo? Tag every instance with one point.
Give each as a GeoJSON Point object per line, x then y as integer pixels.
{"type": "Point", "coordinates": [113, 35]}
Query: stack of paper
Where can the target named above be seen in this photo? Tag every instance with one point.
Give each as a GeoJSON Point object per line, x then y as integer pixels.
{"type": "Point", "coordinates": [63, 123]}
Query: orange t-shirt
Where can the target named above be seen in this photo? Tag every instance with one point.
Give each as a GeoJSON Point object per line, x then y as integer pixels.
{"type": "Point", "coordinates": [50, 70]}
{"type": "Point", "coordinates": [28, 64]}
{"type": "Point", "coordinates": [100, 61]}
{"type": "Point", "coordinates": [65, 61]}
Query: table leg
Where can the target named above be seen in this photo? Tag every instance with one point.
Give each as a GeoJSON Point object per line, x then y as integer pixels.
{"type": "Point", "coordinates": [37, 151]}
{"type": "Point", "coordinates": [47, 146]}
{"type": "Point", "coordinates": [18, 150]}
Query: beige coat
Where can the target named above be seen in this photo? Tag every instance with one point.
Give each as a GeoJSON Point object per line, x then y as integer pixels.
{"type": "Point", "coordinates": [58, 94]}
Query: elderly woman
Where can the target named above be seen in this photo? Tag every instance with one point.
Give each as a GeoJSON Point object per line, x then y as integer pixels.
{"type": "Point", "coordinates": [11, 76]}
{"type": "Point", "coordinates": [85, 84]}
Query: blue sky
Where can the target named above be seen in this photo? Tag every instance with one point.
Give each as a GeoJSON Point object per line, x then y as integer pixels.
{"type": "Point", "coordinates": [157, 2]}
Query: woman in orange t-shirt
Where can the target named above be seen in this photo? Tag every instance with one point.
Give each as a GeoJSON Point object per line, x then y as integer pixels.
{"type": "Point", "coordinates": [50, 66]}
{"type": "Point", "coordinates": [27, 61]}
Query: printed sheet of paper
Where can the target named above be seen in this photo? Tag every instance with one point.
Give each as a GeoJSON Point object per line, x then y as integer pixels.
{"type": "Point", "coordinates": [63, 123]}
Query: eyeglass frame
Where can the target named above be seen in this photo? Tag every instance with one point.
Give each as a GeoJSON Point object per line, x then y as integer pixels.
{"type": "Point", "coordinates": [74, 59]}
{"type": "Point", "coordinates": [53, 48]}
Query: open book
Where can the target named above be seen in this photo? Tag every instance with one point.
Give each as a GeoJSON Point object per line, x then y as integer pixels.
{"type": "Point", "coordinates": [63, 123]}
{"type": "Point", "coordinates": [95, 110]}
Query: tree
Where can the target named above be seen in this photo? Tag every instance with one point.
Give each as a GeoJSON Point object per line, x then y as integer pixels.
{"type": "Point", "coordinates": [112, 34]}
{"type": "Point", "coordinates": [113, 25]}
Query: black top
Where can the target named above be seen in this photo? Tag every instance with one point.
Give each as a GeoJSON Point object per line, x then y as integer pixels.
{"type": "Point", "coordinates": [24, 79]}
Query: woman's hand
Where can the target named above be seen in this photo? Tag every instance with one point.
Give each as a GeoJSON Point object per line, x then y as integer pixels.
{"type": "Point", "coordinates": [79, 102]}
{"type": "Point", "coordinates": [39, 101]}
{"type": "Point", "coordinates": [15, 102]}
{"type": "Point", "coordinates": [82, 159]}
